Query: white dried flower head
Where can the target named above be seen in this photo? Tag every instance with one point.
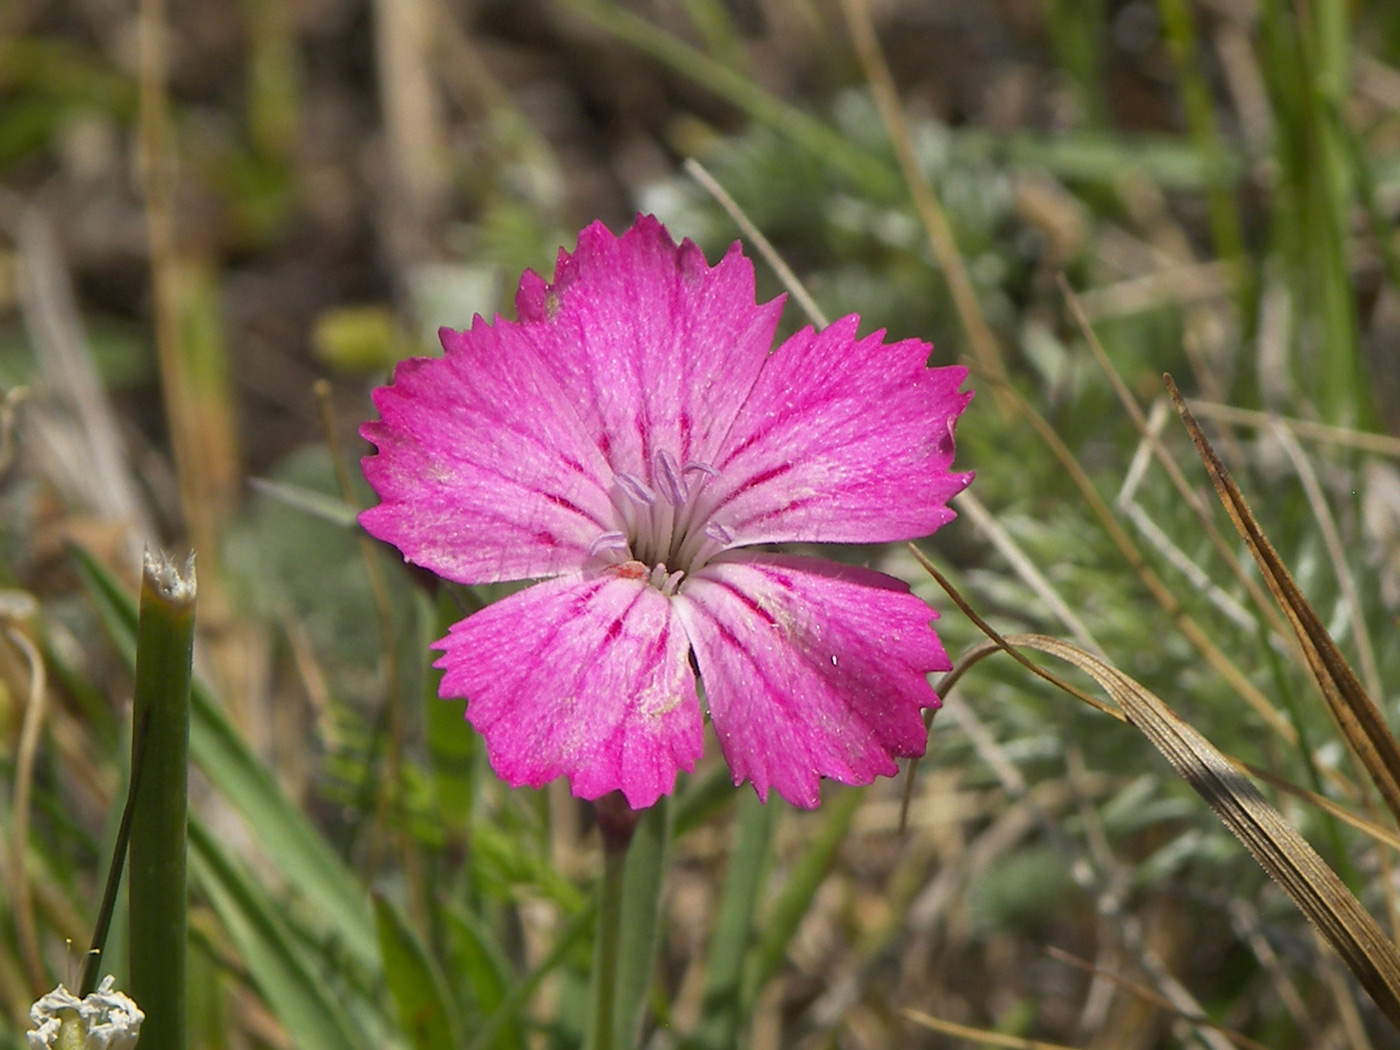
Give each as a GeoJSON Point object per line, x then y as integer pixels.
{"type": "Point", "coordinates": [105, 1020]}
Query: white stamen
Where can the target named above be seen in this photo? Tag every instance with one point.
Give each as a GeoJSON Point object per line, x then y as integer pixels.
{"type": "Point", "coordinates": [669, 477]}
{"type": "Point", "coordinates": [718, 533]}
{"type": "Point", "coordinates": [607, 541]}
{"type": "Point", "coordinates": [662, 517]}
{"type": "Point", "coordinates": [637, 489]}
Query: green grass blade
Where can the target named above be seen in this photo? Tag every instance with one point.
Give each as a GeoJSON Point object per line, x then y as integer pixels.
{"type": "Point", "coordinates": [426, 1012]}
{"type": "Point", "coordinates": [796, 899]}
{"type": "Point", "coordinates": [733, 929]}
{"type": "Point", "coordinates": [477, 962]}
{"type": "Point", "coordinates": [873, 177]}
{"type": "Point", "coordinates": [643, 876]}
{"type": "Point", "coordinates": [156, 891]}
{"type": "Point", "coordinates": [311, 1012]}
{"type": "Point", "coordinates": [293, 844]}
{"type": "Point", "coordinates": [512, 1007]}
{"type": "Point", "coordinates": [702, 796]}
{"type": "Point", "coordinates": [1180, 26]}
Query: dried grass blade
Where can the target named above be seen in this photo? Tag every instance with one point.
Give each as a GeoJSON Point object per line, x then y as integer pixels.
{"type": "Point", "coordinates": [980, 1035]}
{"type": "Point", "coordinates": [1159, 452]}
{"type": "Point", "coordinates": [1280, 850]}
{"type": "Point", "coordinates": [1143, 992]}
{"type": "Point", "coordinates": [1379, 833]}
{"type": "Point", "coordinates": [1360, 721]}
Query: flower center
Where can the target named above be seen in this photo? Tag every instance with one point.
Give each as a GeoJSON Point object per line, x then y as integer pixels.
{"type": "Point", "coordinates": [660, 524]}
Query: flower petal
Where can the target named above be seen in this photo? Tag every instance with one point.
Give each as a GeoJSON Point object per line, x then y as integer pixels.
{"type": "Point", "coordinates": [842, 440]}
{"type": "Point", "coordinates": [586, 678]}
{"type": "Point", "coordinates": [656, 349]}
{"type": "Point", "coordinates": [810, 668]}
{"type": "Point", "coordinates": [484, 468]}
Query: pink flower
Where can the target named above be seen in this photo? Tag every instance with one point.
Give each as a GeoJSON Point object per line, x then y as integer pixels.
{"type": "Point", "coordinates": [631, 441]}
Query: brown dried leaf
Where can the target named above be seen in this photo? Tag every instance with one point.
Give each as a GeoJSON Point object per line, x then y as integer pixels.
{"type": "Point", "coordinates": [1360, 721]}
{"type": "Point", "coordinates": [1280, 850]}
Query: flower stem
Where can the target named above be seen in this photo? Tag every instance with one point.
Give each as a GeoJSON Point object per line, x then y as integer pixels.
{"type": "Point", "coordinates": [156, 891]}
{"type": "Point", "coordinates": [643, 883]}
{"type": "Point", "coordinates": [605, 955]}
{"type": "Point", "coordinates": [635, 846]}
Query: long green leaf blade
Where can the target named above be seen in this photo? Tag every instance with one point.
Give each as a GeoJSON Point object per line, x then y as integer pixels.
{"type": "Point", "coordinates": [425, 1010]}
{"type": "Point", "coordinates": [299, 851]}
{"type": "Point", "coordinates": [305, 1006]}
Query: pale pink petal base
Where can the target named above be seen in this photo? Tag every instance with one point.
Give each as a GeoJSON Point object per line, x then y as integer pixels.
{"type": "Point", "coordinates": [586, 678]}
{"type": "Point", "coordinates": [811, 669]}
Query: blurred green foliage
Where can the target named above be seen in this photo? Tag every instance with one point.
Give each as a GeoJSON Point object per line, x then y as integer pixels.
{"type": "Point", "coordinates": [362, 879]}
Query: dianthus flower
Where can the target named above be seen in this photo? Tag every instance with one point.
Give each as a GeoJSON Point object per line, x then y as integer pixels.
{"type": "Point", "coordinates": [631, 441]}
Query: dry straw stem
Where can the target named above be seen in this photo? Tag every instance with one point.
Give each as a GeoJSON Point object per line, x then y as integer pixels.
{"type": "Point", "coordinates": [1281, 851]}
{"type": "Point", "coordinates": [30, 732]}
{"type": "Point", "coordinates": [1087, 873]}
{"type": "Point", "coordinates": [765, 248]}
{"type": "Point", "coordinates": [1332, 542]}
{"type": "Point", "coordinates": [1380, 444]}
{"type": "Point", "coordinates": [1146, 993]}
{"type": "Point", "coordinates": [930, 211]}
{"type": "Point", "coordinates": [393, 711]}
{"type": "Point", "coordinates": [1159, 590]}
{"type": "Point", "coordinates": [1360, 721]}
{"type": "Point", "coordinates": [1174, 473]}
{"type": "Point", "coordinates": [981, 1035]}
{"type": "Point", "coordinates": [997, 642]}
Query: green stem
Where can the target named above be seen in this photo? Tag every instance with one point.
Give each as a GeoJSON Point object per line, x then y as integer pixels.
{"type": "Point", "coordinates": [643, 882]}
{"type": "Point", "coordinates": [605, 956]}
{"type": "Point", "coordinates": [114, 870]}
{"type": "Point", "coordinates": [156, 891]}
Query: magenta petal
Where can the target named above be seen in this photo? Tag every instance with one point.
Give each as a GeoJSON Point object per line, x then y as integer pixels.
{"type": "Point", "coordinates": [586, 678]}
{"type": "Point", "coordinates": [810, 668]}
{"type": "Point", "coordinates": [842, 440]}
{"type": "Point", "coordinates": [484, 469]}
{"type": "Point", "coordinates": [656, 348]}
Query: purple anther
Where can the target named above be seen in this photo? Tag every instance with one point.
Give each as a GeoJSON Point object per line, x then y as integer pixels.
{"type": "Point", "coordinates": [694, 466]}
{"type": "Point", "coordinates": [637, 489]}
{"type": "Point", "coordinates": [607, 541]}
{"type": "Point", "coordinates": [718, 533]}
{"type": "Point", "coordinates": [669, 478]}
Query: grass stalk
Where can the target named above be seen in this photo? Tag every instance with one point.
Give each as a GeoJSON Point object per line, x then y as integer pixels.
{"type": "Point", "coordinates": [156, 889]}
{"type": "Point", "coordinates": [1180, 26]}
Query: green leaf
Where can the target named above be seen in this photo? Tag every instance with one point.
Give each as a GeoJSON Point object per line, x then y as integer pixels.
{"type": "Point", "coordinates": [425, 1010]}
{"type": "Point", "coordinates": [159, 804]}
{"type": "Point", "coordinates": [477, 961]}
{"type": "Point", "coordinates": [290, 840]}
{"type": "Point", "coordinates": [721, 1014]}
{"type": "Point", "coordinates": [310, 1011]}
{"type": "Point", "coordinates": [795, 901]}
